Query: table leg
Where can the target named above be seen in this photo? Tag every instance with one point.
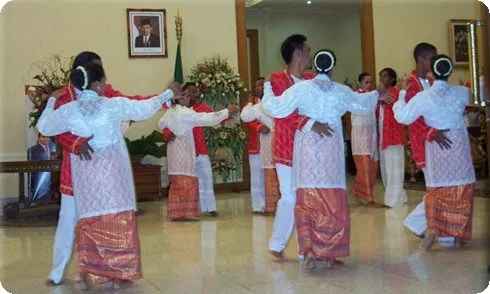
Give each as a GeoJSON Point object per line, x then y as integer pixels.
{"type": "Point", "coordinates": [22, 195]}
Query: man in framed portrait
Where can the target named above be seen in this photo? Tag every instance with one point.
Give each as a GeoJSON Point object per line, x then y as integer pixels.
{"type": "Point", "coordinates": [146, 37]}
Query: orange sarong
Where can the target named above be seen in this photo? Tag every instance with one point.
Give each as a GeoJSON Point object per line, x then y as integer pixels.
{"type": "Point", "coordinates": [183, 198]}
{"type": "Point", "coordinates": [108, 248]}
{"type": "Point", "coordinates": [366, 176]}
{"type": "Point", "coordinates": [449, 210]}
{"type": "Point", "coordinates": [323, 222]}
{"type": "Point", "coordinates": [272, 192]}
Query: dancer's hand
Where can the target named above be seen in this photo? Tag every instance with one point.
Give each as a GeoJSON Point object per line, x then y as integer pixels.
{"type": "Point", "coordinates": [404, 82]}
{"type": "Point", "coordinates": [176, 89]}
{"type": "Point", "coordinates": [252, 99]}
{"type": "Point", "coordinates": [85, 151]}
{"type": "Point", "coordinates": [430, 76]}
{"type": "Point", "coordinates": [233, 109]}
{"type": "Point", "coordinates": [442, 140]}
{"type": "Point", "coordinates": [322, 129]}
{"type": "Point", "coordinates": [264, 129]}
{"type": "Point", "coordinates": [386, 98]}
{"type": "Point", "coordinates": [56, 94]}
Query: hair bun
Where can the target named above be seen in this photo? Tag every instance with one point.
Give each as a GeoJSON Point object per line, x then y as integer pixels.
{"type": "Point", "coordinates": [442, 66]}
{"type": "Point", "coordinates": [85, 76]}
{"type": "Point", "coordinates": [324, 61]}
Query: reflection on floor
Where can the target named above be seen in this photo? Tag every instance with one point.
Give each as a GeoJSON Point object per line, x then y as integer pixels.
{"type": "Point", "coordinates": [229, 254]}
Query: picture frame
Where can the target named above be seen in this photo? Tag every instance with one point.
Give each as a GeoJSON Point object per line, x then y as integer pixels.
{"type": "Point", "coordinates": [147, 33]}
{"type": "Point", "coordinates": [459, 41]}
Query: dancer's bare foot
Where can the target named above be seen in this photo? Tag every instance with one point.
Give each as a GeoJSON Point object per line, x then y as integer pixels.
{"type": "Point", "coordinates": [277, 254]}
{"type": "Point", "coordinates": [375, 205]}
{"type": "Point", "coordinates": [428, 241]}
{"type": "Point", "coordinates": [310, 262]}
{"type": "Point", "coordinates": [83, 284]}
{"type": "Point", "coordinates": [338, 262]}
{"type": "Point", "coordinates": [458, 242]}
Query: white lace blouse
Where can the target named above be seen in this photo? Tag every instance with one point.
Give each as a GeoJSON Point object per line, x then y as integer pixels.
{"type": "Point", "coordinates": [97, 116]}
{"type": "Point", "coordinates": [320, 99]}
{"type": "Point", "coordinates": [442, 106]}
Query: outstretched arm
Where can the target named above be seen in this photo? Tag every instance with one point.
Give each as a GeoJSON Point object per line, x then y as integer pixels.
{"type": "Point", "coordinates": [280, 106]}
{"type": "Point", "coordinates": [361, 102]}
{"type": "Point", "coordinates": [407, 113]}
{"type": "Point", "coordinates": [138, 110]}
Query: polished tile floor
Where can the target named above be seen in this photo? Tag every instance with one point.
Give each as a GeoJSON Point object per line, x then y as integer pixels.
{"type": "Point", "coordinates": [229, 254]}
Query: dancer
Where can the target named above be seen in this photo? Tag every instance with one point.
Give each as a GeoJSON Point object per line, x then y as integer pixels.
{"type": "Point", "coordinates": [322, 212]}
{"type": "Point", "coordinates": [183, 198]}
{"type": "Point", "coordinates": [207, 197]}
{"type": "Point", "coordinates": [450, 175]}
{"type": "Point", "coordinates": [391, 143]}
{"type": "Point", "coordinates": [365, 149]}
{"type": "Point", "coordinates": [254, 128]}
{"type": "Point", "coordinates": [420, 80]}
{"type": "Point", "coordinates": [264, 175]}
{"type": "Point", "coordinates": [107, 242]}
{"type": "Point", "coordinates": [71, 144]}
{"type": "Point", "coordinates": [296, 55]}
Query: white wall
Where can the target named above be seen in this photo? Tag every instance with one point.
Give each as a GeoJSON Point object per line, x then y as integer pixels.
{"type": "Point", "coordinates": [400, 24]}
{"type": "Point", "coordinates": [34, 30]}
{"type": "Point", "coordinates": [336, 29]}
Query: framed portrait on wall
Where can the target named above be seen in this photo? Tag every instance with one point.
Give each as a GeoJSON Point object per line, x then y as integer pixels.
{"type": "Point", "coordinates": [459, 37]}
{"type": "Point", "coordinates": [147, 33]}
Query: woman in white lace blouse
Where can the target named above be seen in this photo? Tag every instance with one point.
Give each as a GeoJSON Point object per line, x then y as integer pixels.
{"type": "Point", "coordinates": [450, 175]}
{"type": "Point", "coordinates": [321, 212]}
{"type": "Point", "coordinates": [108, 242]}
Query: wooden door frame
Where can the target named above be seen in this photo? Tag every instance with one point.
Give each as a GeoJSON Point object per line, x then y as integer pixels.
{"type": "Point", "coordinates": [485, 50]}
{"type": "Point", "coordinates": [254, 58]}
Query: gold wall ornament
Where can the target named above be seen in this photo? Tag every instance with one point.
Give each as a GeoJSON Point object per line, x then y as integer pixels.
{"type": "Point", "coordinates": [474, 63]}
{"type": "Point", "coordinates": [178, 26]}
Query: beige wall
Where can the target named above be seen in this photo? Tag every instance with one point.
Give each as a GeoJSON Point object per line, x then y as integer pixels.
{"type": "Point", "coordinates": [337, 29]}
{"type": "Point", "coordinates": [35, 30]}
{"type": "Point", "coordinates": [400, 24]}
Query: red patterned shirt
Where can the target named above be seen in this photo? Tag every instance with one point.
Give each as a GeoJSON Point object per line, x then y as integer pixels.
{"type": "Point", "coordinates": [285, 128]}
{"type": "Point", "coordinates": [393, 132]}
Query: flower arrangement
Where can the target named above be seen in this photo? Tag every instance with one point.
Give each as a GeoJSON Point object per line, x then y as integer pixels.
{"type": "Point", "coordinates": [218, 82]}
{"type": "Point", "coordinates": [53, 74]}
{"type": "Point", "coordinates": [220, 85]}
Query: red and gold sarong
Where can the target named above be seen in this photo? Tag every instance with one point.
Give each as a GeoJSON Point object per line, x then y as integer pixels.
{"type": "Point", "coordinates": [366, 176]}
{"type": "Point", "coordinates": [183, 198]}
{"type": "Point", "coordinates": [323, 222]}
{"type": "Point", "coordinates": [108, 248]}
{"type": "Point", "coordinates": [272, 192]}
{"type": "Point", "coordinates": [449, 210]}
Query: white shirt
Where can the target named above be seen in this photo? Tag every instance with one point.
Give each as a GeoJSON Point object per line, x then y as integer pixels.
{"type": "Point", "coordinates": [253, 112]}
{"type": "Point", "coordinates": [442, 106]}
{"type": "Point", "coordinates": [320, 99]}
{"type": "Point", "coordinates": [99, 116]}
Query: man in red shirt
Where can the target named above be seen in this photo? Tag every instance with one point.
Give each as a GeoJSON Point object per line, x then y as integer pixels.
{"type": "Point", "coordinates": [254, 128]}
{"type": "Point", "coordinates": [71, 144]}
{"type": "Point", "coordinates": [204, 172]}
{"type": "Point", "coordinates": [392, 145]}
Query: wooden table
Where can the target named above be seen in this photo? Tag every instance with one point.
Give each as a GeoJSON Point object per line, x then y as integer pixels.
{"type": "Point", "coordinates": [146, 177]}
{"type": "Point", "coordinates": [25, 167]}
